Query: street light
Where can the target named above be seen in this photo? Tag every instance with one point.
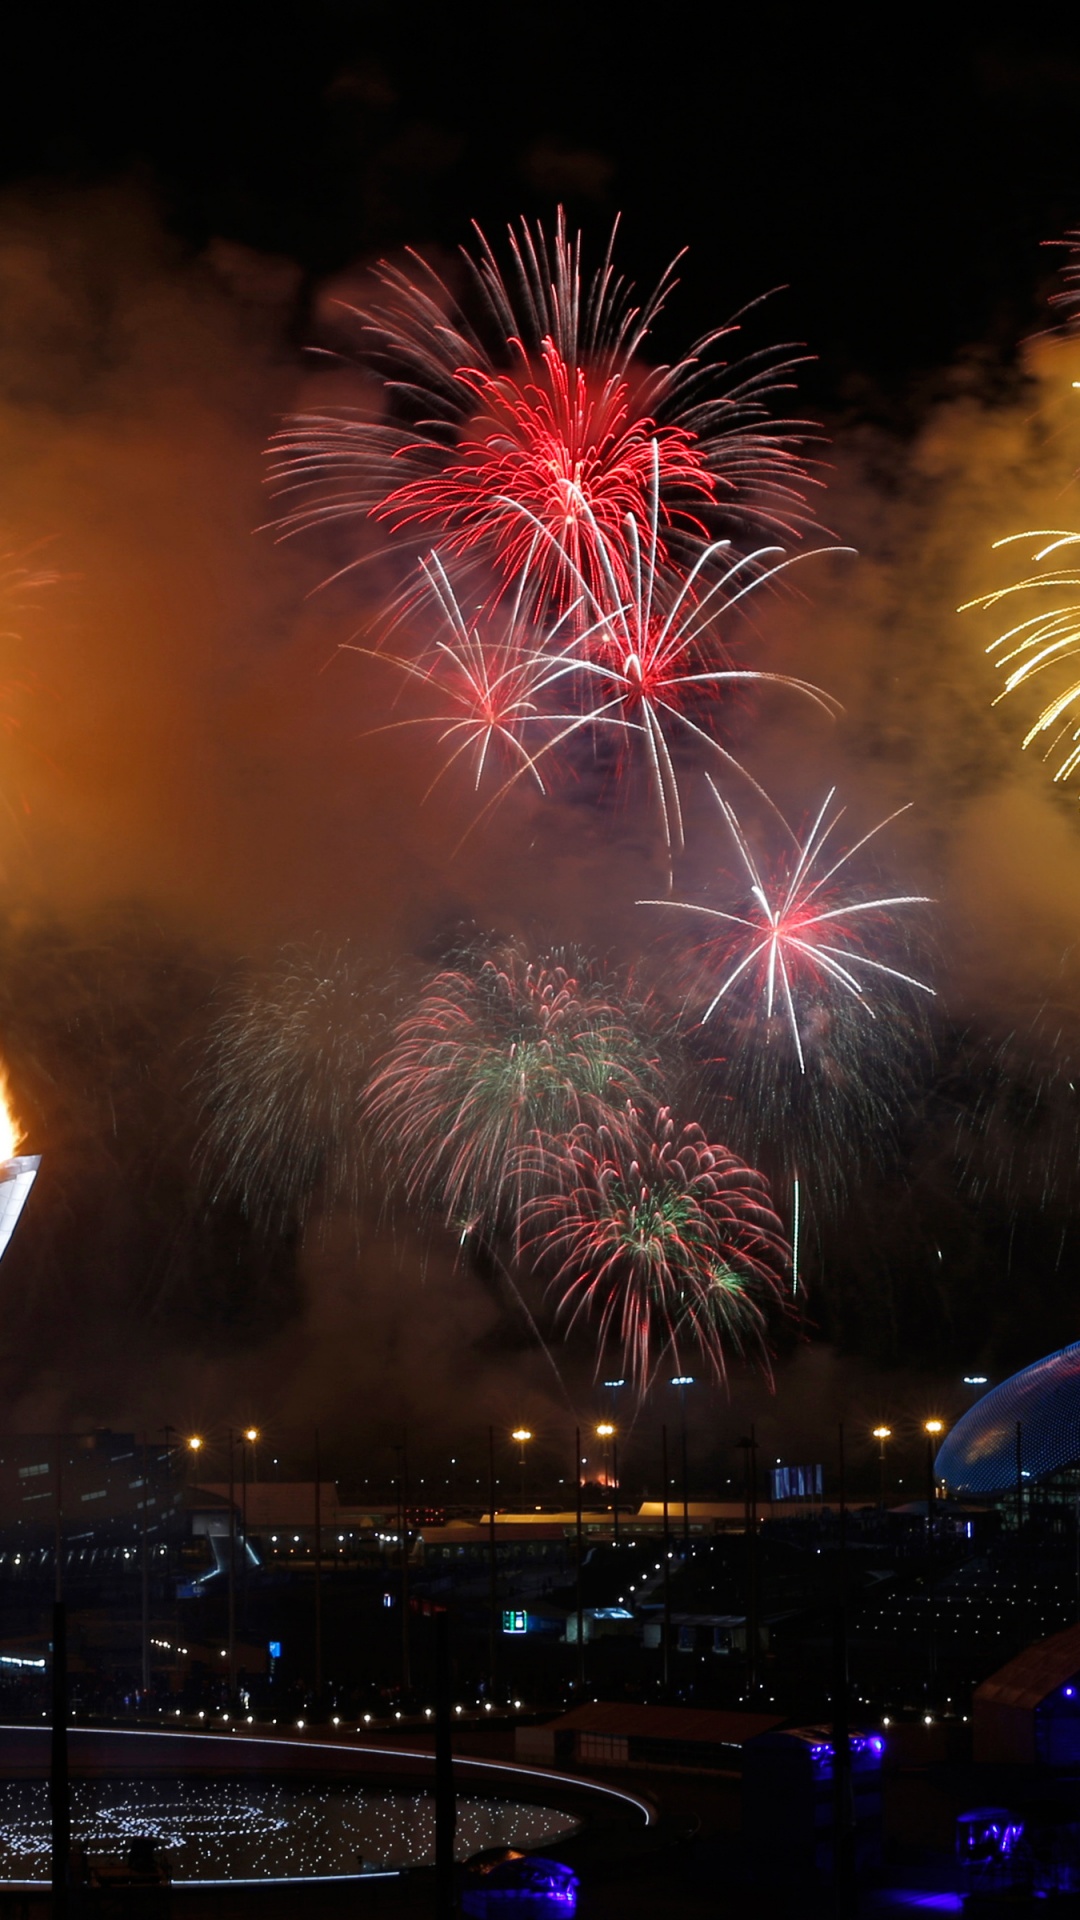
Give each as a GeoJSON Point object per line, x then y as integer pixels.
{"type": "Point", "coordinates": [931, 1428]}
{"type": "Point", "coordinates": [195, 1443]}
{"type": "Point", "coordinates": [522, 1435]}
{"type": "Point", "coordinates": [249, 1438]}
{"type": "Point", "coordinates": [682, 1381]}
{"type": "Point", "coordinates": [606, 1431]}
{"type": "Point", "coordinates": [881, 1434]}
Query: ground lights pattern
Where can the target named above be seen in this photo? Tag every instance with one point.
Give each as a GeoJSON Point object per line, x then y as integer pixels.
{"type": "Point", "coordinates": [237, 1830]}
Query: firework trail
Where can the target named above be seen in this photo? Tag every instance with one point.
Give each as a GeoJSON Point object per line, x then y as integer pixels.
{"type": "Point", "coordinates": [1042, 643]}
{"type": "Point", "coordinates": [282, 1087]}
{"type": "Point", "coordinates": [491, 1054]}
{"type": "Point", "coordinates": [667, 1242]}
{"type": "Point", "coordinates": [544, 403]}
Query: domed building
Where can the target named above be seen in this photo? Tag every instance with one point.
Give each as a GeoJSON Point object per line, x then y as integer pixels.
{"type": "Point", "coordinates": [1029, 1425]}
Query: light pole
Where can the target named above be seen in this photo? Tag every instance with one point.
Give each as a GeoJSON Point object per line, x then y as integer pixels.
{"type": "Point", "coordinates": [682, 1381]}
{"type": "Point", "coordinates": [881, 1435]}
{"type": "Point", "coordinates": [249, 1438]}
{"type": "Point", "coordinates": [749, 1450]}
{"type": "Point", "coordinates": [605, 1432]}
{"type": "Point", "coordinates": [578, 1562]}
{"type": "Point", "coordinates": [318, 1573]}
{"type": "Point", "coordinates": [401, 1449]}
{"type": "Point", "coordinates": [933, 1430]}
{"type": "Point", "coordinates": [493, 1568]}
{"type": "Point", "coordinates": [522, 1435]}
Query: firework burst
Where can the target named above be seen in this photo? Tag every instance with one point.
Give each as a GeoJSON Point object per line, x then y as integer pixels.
{"type": "Point", "coordinates": [823, 1035]}
{"type": "Point", "coordinates": [544, 403]}
{"type": "Point", "coordinates": [796, 937]}
{"type": "Point", "coordinates": [665, 1241]}
{"type": "Point", "coordinates": [282, 1086]}
{"type": "Point", "coordinates": [1042, 643]}
{"type": "Point", "coordinates": [490, 1055]}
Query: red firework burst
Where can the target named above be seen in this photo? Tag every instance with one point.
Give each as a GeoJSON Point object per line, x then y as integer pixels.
{"type": "Point", "coordinates": [666, 1240]}
{"type": "Point", "coordinates": [565, 447]}
{"type": "Point", "coordinates": [545, 403]}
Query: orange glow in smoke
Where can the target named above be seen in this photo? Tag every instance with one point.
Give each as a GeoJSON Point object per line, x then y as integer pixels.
{"type": "Point", "coordinates": [11, 1135]}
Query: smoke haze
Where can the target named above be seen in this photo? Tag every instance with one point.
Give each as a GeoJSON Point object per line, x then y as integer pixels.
{"type": "Point", "coordinates": [196, 773]}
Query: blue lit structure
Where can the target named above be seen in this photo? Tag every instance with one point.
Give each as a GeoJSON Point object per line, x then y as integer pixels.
{"type": "Point", "coordinates": [989, 1848]}
{"type": "Point", "coordinates": [979, 1455]}
{"type": "Point", "coordinates": [1057, 1727]}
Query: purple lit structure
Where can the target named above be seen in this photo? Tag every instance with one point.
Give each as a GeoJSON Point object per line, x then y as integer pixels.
{"type": "Point", "coordinates": [518, 1886]}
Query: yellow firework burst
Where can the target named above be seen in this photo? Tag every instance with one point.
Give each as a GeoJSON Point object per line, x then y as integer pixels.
{"type": "Point", "coordinates": [1044, 642]}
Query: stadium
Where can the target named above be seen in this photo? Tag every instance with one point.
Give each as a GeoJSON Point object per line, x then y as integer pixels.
{"type": "Point", "coordinates": [1025, 1430]}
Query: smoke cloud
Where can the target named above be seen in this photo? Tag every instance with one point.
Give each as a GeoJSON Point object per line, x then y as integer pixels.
{"type": "Point", "coordinates": [196, 772]}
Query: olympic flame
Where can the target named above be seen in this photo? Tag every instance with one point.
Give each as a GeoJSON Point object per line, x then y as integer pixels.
{"type": "Point", "coordinates": [11, 1134]}
{"type": "Point", "coordinates": [17, 1171]}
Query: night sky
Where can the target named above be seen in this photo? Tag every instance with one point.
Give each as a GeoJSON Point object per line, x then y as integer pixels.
{"type": "Point", "coordinates": [192, 779]}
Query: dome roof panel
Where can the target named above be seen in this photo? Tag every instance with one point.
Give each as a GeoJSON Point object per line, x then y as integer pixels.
{"type": "Point", "coordinates": [979, 1455]}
